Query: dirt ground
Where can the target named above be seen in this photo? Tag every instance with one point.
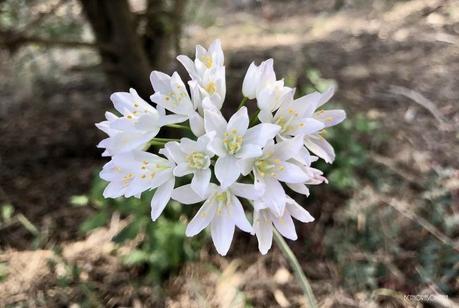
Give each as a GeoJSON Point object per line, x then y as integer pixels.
{"type": "Point", "coordinates": [398, 63]}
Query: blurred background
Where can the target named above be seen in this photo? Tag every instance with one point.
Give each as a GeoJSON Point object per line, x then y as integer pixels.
{"type": "Point", "coordinates": [387, 224]}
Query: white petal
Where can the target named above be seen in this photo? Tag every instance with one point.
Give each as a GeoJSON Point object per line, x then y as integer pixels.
{"type": "Point", "coordinates": [227, 170]}
{"type": "Point", "coordinates": [274, 195]}
{"type": "Point", "coordinates": [238, 215]}
{"type": "Point", "coordinates": [188, 64]}
{"type": "Point", "coordinates": [285, 226]}
{"type": "Point", "coordinates": [330, 117]}
{"type": "Point", "coordinates": [319, 146]}
{"type": "Point", "coordinates": [239, 121]}
{"type": "Point", "coordinates": [197, 124]}
{"type": "Point", "coordinates": [171, 119]}
{"type": "Point", "coordinates": [298, 212]}
{"type": "Point", "coordinates": [299, 188]}
{"type": "Point", "coordinates": [304, 105]}
{"type": "Point", "coordinates": [161, 198]}
{"type": "Point", "coordinates": [216, 146]}
{"type": "Point", "coordinates": [326, 96]}
{"type": "Point", "coordinates": [202, 218]}
{"type": "Point", "coordinates": [249, 151]}
{"type": "Point", "coordinates": [261, 133]}
{"type": "Point", "coordinates": [248, 191]}
{"type": "Point", "coordinates": [186, 195]}
{"type": "Point", "coordinates": [249, 85]}
{"type": "Point", "coordinates": [182, 169]}
{"type": "Point", "coordinates": [288, 148]}
{"type": "Point", "coordinates": [264, 231]}
{"type": "Point", "coordinates": [222, 231]}
{"type": "Point", "coordinates": [246, 165]}
{"type": "Point", "coordinates": [160, 82]}
{"type": "Point", "coordinates": [173, 149]}
{"type": "Point", "coordinates": [308, 126]}
{"type": "Point", "coordinates": [113, 190]}
{"type": "Point", "coordinates": [214, 121]}
{"type": "Point", "coordinates": [291, 173]}
{"type": "Point", "coordinates": [200, 182]}
{"type": "Point", "coordinates": [265, 116]}
{"type": "Point", "coordinates": [189, 146]}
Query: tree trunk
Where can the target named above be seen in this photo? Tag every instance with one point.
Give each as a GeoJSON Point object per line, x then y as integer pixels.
{"type": "Point", "coordinates": [123, 56]}
{"type": "Point", "coordinates": [162, 31]}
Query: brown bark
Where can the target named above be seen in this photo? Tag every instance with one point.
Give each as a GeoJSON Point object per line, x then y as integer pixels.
{"type": "Point", "coordinates": [125, 61]}
{"type": "Point", "coordinates": [162, 31]}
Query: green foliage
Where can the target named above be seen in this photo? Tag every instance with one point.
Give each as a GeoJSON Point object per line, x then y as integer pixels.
{"type": "Point", "coordinates": [351, 140]}
{"type": "Point", "coordinates": [7, 211]}
{"type": "Point", "coordinates": [161, 246]}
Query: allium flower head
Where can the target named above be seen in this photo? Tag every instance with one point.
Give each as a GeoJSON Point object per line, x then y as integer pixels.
{"type": "Point", "coordinates": [252, 157]}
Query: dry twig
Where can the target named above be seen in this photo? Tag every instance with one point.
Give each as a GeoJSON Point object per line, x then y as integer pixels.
{"type": "Point", "coordinates": [422, 101]}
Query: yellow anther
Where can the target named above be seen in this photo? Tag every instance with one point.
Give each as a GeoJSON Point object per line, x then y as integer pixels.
{"type": "Point", "coordinates": [211, 87]}
{"type": "Point", "coordinates": [207, 60]}
{"type": "Point", "coordinates": [198, 160]}
{"type": "Point", "coordinates": [232, 141]}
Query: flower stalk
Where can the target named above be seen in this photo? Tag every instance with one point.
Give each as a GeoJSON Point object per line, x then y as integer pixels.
{"type": "Point", "coordinates": [242, 103]}
{"type": "Point", "coordinates": [178, 126]}
{"type": "Point", "coordinates": [297, 270]}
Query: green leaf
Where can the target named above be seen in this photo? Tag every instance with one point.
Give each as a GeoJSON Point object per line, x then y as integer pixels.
{"type": "Point", "coordinates": [136, 257]}
{"type": "Point", "coordinates": [96, 221]}
{"type": "Point", "coordinates": [130, 231]}
{"type": "Point", "coordinates": [79, 200]}
{"type": "Point", "coordinates": [7, 212]}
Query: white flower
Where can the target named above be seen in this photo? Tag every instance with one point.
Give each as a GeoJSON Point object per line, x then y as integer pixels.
{"type": "Point", "coordinates": [315, 142]}
{"type": "Point", "coordinates": [171, 93]}
{"type": "Point", "coordinates": [257, 77]}
{"type": "Point", "coordinates": [139, 123]}
{"type": "Point", "coordinates": [264, 219]}
{"type": "Point", "coordinates": [213, 85]}
{"type": "Point", "coordinates": [303, 161]}
{"type": "Point", "coordinates": [222, 210]}
{"type": "Point", "coordinates": [207, 72]}
{"type": "Point", "coordinates": [192, 157]}
{"type": "Point", "coordinates": [132, 173]}
{"type": "Point", "coordinates": [294, 117]}
{"type": "Point", "coordinates": [234, 142]}
{"type": "Point", "coordinates": [273, 167]}
{"type": "Point", "coordinates": [205, 60]}
{"type": "Point", "coordinates": [273, 95]}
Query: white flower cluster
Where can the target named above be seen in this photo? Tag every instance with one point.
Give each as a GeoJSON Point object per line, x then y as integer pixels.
{"type": "Point", "coordinates": [248, 161]}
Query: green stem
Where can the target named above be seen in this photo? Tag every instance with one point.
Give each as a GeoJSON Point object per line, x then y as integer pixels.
{"type": "Point", "coordinates": [158, 141]}
{"type": "Point", "coordinates": [296, 267]}
{"type": "Point", "coordinates": [178, 126]}
{"type": "Point", "coordinates": [254, 118]}
{"type": "Point", "coordinates": [164, 139]}
{"type": "Point", "coordinates": [244, 100]}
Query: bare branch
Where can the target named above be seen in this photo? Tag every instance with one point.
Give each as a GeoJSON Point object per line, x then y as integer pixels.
{"type": "Point", "coordinates": [422, 101]}
{"type": "Point", "coordinates": [13, 41]}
